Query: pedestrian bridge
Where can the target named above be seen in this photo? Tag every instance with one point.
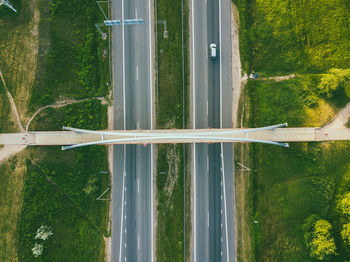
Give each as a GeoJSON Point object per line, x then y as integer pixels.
{"type": "Point", "coordinates": [276, 135]}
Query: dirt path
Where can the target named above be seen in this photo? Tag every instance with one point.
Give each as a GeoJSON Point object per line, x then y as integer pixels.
{"type": "Point", "coordinates": [278, 78]}
{"type": "Point", "coordinates": [9, 150]}
{"type": "Point", "coordinates": [13, 105]}
{"type": "Point", "coordinates": [341, 119]}
{"type": "Point", "coordinates": [237, 79]}
{"type": "Point", "coordinates": [61, 104]}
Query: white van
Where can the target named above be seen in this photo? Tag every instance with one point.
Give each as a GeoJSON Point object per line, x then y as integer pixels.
{"type": "Point", "coordinates": [212, 51]}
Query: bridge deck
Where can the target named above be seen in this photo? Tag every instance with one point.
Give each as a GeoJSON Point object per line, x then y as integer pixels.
{"type": "Point", "coordinates": [175, 136]}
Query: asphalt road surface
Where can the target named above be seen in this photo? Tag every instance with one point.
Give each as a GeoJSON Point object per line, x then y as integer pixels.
{"type": "Point", "coordinates": [132, 224]}
{"type": "Point", "coordinates": [213, 167]}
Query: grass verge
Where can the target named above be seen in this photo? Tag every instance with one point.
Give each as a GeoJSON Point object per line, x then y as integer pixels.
{"type": "Point", "coordinates": [291, 184]}
{"type": "Point", "coordinates": [12, 174]}
{"type": "Point", "coordinates": [173, 213]}
{"type": "Point", "coordinates": [243, 188]}
{"type": "Point", "coordinates": [61, 188]}
{"type": "Point", "coordinates": [73, 57]}
{"type": "Point", "coordinates": [16, 55]}
{"type": "Point", "coordinates": [282, 37]}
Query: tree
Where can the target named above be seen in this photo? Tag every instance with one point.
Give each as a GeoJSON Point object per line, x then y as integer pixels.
{"type": "Point", "coordinates": [345, 233]}
{"type": "Point", "coordinates": [43, 232]}
{"type": "Point", "coordinates": [37, 249]}
{"type": "Point", "coordinates": [334, 80]}
{"type": "Point", "coordinates": [322, 245]}
{"type": "Point", "coordinates": [344, 204]}
{"type": "Point", "coordinates": [309, 228]}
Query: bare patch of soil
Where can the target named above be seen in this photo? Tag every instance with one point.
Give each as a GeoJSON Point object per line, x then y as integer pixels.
{"type": "Point", "coordinates": [342, 118]}
{"type": "Point", "coordinates": [279, 78]}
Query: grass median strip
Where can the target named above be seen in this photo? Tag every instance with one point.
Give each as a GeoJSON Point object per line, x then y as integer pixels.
{"type": "Point", "coordinates": [172, 110]}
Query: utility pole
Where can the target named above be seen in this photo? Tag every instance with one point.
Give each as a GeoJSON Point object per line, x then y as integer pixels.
{"type": "Point", "coordinates": [6, 3]}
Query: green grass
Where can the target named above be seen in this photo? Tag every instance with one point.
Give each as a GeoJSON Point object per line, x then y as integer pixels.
{"type": "Point", "coordinates": [291, 184]}
{"type": "Point", "coordinates": [288, 185]}
{"type": "Point", "coordinates": [73, 64]}
{"type": "Point", "coordinates": [169, 60]}
{"type": "Point", "coordinates": [280, 37]}
{"type": "Point", "coordinates": [56, 191]}
{"type": "Point", "coordinates": [5, 111]}
{"type": "Point", "coordinates": [12, 175]}
{"type": "Point", "coordinates": [172, 112]}
{"type": "Point", "coordinates": [170, 196]}
{"type": "Point", "coordinates": [87, 115]}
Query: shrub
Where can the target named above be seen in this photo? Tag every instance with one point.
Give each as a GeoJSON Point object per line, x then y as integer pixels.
{"type": "Point", "coordinates": [344, 204]}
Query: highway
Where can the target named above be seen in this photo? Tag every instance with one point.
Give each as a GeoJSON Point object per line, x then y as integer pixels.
{"type": "Point", "coordinates": [213, 217]}
{"type": "Point", "coordinates": [132, 219]}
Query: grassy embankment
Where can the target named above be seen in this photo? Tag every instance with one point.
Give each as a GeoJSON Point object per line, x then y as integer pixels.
{"type": "Point", "coordinates": [60, 192]}
{"type": "Point", "coordinates": [288, 185]}
{"type": "Point", "coordinates": [15, 30]}
{"type": "Point", "coordinates": [170, 114]}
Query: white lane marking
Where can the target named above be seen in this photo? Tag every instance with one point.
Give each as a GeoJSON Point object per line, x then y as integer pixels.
{"type": "Point", "coordinates": [125, 217]}
{"type": "Point", "coordinates": [125, 245]}
{"type": "Point", "coordinates": [208, 163]}
{"type": "Point", "coordinates": [151, 105]}
{"type": "Point", "coordinates": [225, 204]}
{"type": "Point", "coordinates": [125, 231]}
{"type": "Point", "coordinates": [123, 47]}
{"type": "Point", "coordinates": [194, 145]}
{"type": "Point", "coordinates": [138, 125]}
{"type": "Point", "coordinates": [208, 219]}
{"type": "Point", "coordinates": [138, 186]}
{"type": "Point", "coordinates": [138, 242]}
{"type": "Point", "coordinates": [220, 53]}
{"type": "Point", "coordinates": [194, 202]}
{"type": "Point", "coordinates": [150, 66]}
{"type": "Point", "coordinates": [135, 12]}
{"type": "Point", "coordinates": [124, 188]}
{"type": "Point", "coordinates": [121, 219]}
{"type": "Point", "coordinates": [137, 73]}
{"type": "Point", "coordinates": [194, 90]}
{"type": "Point", "coordinates": [152, 174]}
{"type": "Point", "coordinates": [207, 108]}
{"type": "Point", "coordinates": [125, 258]}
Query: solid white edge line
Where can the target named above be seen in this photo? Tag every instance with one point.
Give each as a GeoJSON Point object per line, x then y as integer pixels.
{"type": "Point", "coordinates": [220, 64]}
{"type": "Point", "coordinates": [152, 235]}
{"type": "Point", "coordinates": [151, 105]}
{"type": "Point", "coordinates": [208, 218]}
{"type": "Point", "coordinates": [194, 145]}
{"type": "Point", "coordinates": [124, 122]}
{"type": "Point", "coordinates": [138, 242]}
{"type": "Point", "coordinates": [222, 148]}
{"type": "Point", "coordinates": [137, 72]}
{"type": "Point", "coordinates": [121, 220]}
{"type": "Point", "coordinates": [123, 47]}
{"type": "Point", "coordinates": [194, 205]}
{"type": "Point", "coordinates": [225, 205]}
